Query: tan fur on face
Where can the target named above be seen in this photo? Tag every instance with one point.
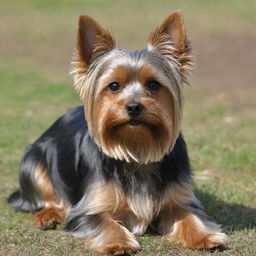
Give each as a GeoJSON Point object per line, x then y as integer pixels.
{"type": "Point", "coordinates": [161, 115]}
{"type": "Point", "coordinates": [98, 54]}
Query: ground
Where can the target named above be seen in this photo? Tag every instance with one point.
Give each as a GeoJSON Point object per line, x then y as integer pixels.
{"type": "Point", "coordinates": [219, 123]}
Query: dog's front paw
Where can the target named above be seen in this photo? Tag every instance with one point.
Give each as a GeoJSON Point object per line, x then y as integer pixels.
{"type": "Point", "coordinates": [210, 241]}
{"type": "Point", "coordinates": [118, 249]}
{"type": "Point", "coordinates": [193, 233]}
{"type": "Point", "coordinates": [113, 240]}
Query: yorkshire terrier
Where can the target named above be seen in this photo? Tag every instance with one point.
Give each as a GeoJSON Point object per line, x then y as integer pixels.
{"type": "Point", "coordinates": [117, 167]}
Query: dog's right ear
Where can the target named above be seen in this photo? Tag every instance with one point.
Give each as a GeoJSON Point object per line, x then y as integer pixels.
{"type": "Point", "coordinates": [92, 42]}
{"type": "Point", "coordinates": [92, 39]}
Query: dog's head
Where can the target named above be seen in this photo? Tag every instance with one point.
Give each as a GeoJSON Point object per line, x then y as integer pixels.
{"type": "Point", "coordinates": [132, 99]}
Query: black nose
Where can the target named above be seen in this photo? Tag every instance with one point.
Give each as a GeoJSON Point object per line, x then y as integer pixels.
{"type": "Point", "coordinates": [134, 108]}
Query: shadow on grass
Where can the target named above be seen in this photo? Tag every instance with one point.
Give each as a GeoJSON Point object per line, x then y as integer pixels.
{"type": "Point", "coordinates": [231, 216]}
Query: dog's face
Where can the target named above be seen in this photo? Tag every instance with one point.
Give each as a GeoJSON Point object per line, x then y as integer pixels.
{"type": "Point", "coordinates": [132, 99]}
{"type": "Point", "coordinates": [136, 108]}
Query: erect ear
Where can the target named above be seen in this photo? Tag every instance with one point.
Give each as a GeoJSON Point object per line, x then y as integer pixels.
{"type": "Point", "coordinates": [171, 29]}
{"type": "Point", "coordinates": [92, 38]}
{"type": "Point", "coordinates": [170, 40]}
{"type": "Point", "coordinates": [92, 43]}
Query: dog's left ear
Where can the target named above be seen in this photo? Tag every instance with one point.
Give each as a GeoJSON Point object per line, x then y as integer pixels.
{"type": "Point", "coordinates": [169, 39]}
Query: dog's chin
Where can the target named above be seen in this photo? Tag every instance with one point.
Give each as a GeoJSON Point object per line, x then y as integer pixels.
{"type": "Point", "coordinates": [135, 140]}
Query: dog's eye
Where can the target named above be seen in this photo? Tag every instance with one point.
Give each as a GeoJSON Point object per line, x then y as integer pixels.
{"type": "Point", "coordinates": [153, 85]}
{"type": "Point", "coordinates": [114, 86]}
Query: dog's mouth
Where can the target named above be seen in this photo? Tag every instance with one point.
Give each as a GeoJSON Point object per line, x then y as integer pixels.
{"type": "Point", "coordinates": [139, 123]}
{"type": "Point", "coordinates": [135, 123]}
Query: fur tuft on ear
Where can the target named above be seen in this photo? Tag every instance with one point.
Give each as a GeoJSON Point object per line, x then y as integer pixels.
{"type": "Point", "coordinates": [92, 42]}
{"type": "Point", "coordinates": [169, 39]}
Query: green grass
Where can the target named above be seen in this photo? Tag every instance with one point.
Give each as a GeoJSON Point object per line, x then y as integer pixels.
{"type": "Point", "coordinates": [37, 39]}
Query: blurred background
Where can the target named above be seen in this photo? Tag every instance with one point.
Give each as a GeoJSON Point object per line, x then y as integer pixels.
{"type": "Point", "coordinates": [37, 38]}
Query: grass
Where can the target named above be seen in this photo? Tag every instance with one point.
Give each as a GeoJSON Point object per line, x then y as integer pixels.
{"type": "Point", "coordinates": [37, 38]}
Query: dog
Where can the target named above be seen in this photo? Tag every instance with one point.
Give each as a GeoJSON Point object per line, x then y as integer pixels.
{"type": "Point", "coordinates": [118, 166]}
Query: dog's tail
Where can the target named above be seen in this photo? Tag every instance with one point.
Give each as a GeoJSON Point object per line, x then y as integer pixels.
{"type": "Point", "coordinates": [18, 202]}
{"type": "Point", "coordinates": [27, 198]}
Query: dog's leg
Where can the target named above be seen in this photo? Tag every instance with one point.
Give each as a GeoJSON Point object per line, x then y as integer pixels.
{"type": "Point", "coordinates": [183, 221]}
{"type": "Point", "coordinates": [93, 220]}
{"type": "Point", "coordinates": [37, 194]}
{"type": "Point", "coordinates": [195, 233]}
{"type": "Point", "coordinates": [112, 238]}
{"type": "Point", "coordinates": [55, 210]}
